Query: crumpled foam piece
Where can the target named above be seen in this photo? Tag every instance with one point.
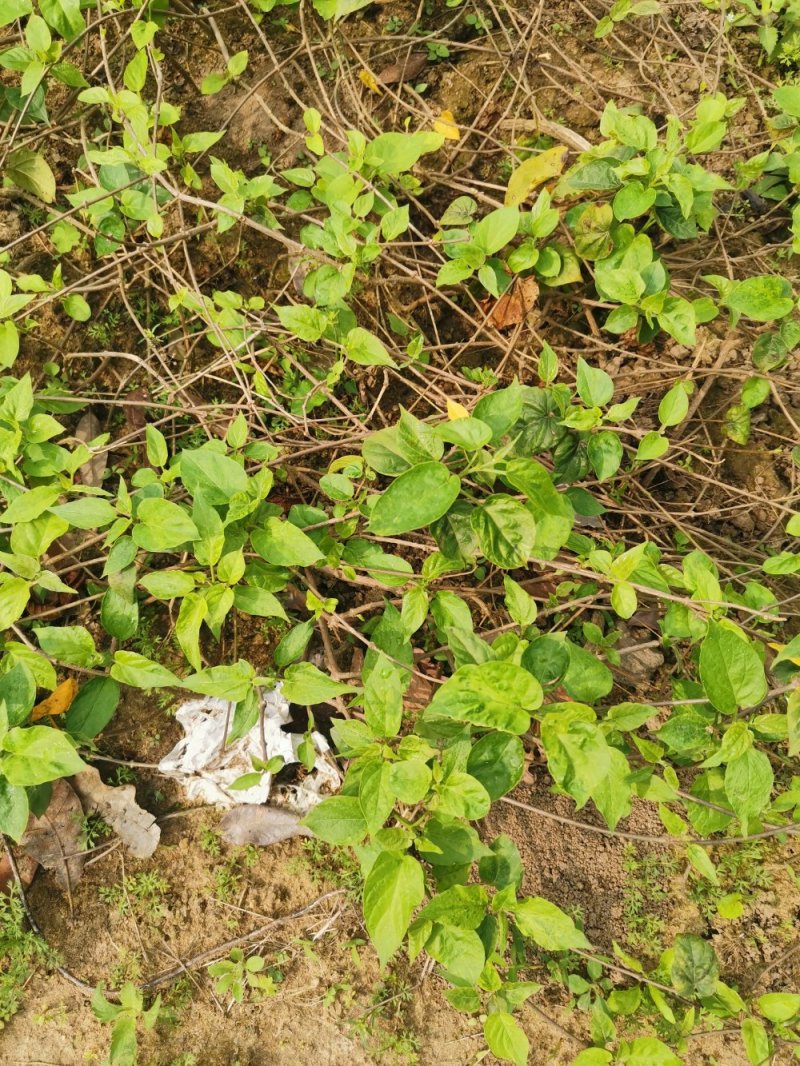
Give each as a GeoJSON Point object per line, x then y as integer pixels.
{"type": "Point", "coordinates": [207, 769]}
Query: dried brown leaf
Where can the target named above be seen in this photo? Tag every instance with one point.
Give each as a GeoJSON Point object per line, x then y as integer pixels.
{"type": "Point", "coordinates": [56, 840]}
{"type": "Point", "coordinates": [404, 70]}
{"type": "Point", "coordinates": [261, 825]}
{"type": "Point", "coordinates": [513, 306]}
{"type": "Point", "coordinates": [91, 473]}
{"type": "Point", "coordinates": [135, 827]}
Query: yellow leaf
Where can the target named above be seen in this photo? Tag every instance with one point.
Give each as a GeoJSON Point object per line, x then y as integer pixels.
{"type": "Point", "coordinates": [58, 701]}
{"type": "Point", "coordinates": [779, 648]}
{"type": "Point", "coordinates": [368, 78]}
{"type": "Point", "coordinates": [534, 172]}
{"type": "Point", "coordinates": [456, 410]}
{"type": "Point", "coordinates": [447, 126]}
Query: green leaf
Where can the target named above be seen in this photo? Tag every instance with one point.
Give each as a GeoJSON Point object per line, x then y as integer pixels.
{"type": "Point", "coordinates": [37, 754]}
{"type": "Point", "coordinates": [632, 200]}
{"type": "Point", "coordinates": [748, 783]}
{"type": "Point", "coordinates": [306, 323]}
{"type": "Point", "coordinates": [383, 698]}
{"type": "Point", "coordinates": [595, 387]}
{"type": "Point", "coordinates": [167, 584]}
{"type": "Point", "coordinates": [13, 806]}
{"type": "Point", "coordinates": [303, 683]}
{"type": "Point", "coordinates": [337, 820]}
{"type": "Point", "coordinates": [415, 499]}
{"type": "Point", "coordinates": [459, 951]}
{"type": "Point", "coordinates": [68, 644]}
{"type": "Point", "coordinates": [674, 406]}
{"type": "Point", "coordinates": [462, 906]}
{"type": "Point", "coordinates": [394, 888]}
{"type": "Point", "coordinates": [506, 531]}
{"type": "Point", "coordinates": [763, 298]}
{"type": "Point", "coordinates": [229, 682]}
{"type": "Point", "coordinates": [135, 670]}
{"type": "Point", "coordinates": [652, 446]}
{"type": "Point", "coordinates": [756, 1042]}
{"type": "Point", "coordinates": [64, 16]}
{"type": "Point", "coordinates": [700, 859]}
{"type": "Point", "coordinates": [87, 513]}
{"type": "Point", "coordinates": [587, 678]}
{"type": "Point", "coordinates": [366, 349]}
{"type": "Point", "coordinates": [497, 760]}
{"type": "Point", "coordinates": [605, 453]}
{"type": "Point", "coordinates": [162, 526]}
{"type": "Point", "coordinates": [649, 1051]}
{"type": "Point", "coordinates": [77, 308]}
{"type": "Point", "coordinates": [30, 171]}
{"type": "Point", "coordinates": [496, 229]}
{"type": "Point", "coordinates": [392, 153]}
{"type": "Point", "coordinates": [695, 970]}
{"type": "Point", "coordinates": [207, 473]}
{"type": "Point", "coordinates": [410, 780]}
{"type": "Point", "coordinates": [283, 544]}
{"type": "Point", "coordinates": [156, 444]}
{"type": "Point", "coordinates": [293, 644]}
{"type": "Point", "coordinates": [520, 605]}
{"type": "Point", "coordinates": [257, 602]}
{"type": "Point", "coordinates": [14, 596]}
{"type": "Point", "coordinates": [10, 10]}
{"type": "Point", "coordinates": [505, 1038]}
{"type": "Point", "coordinates": [547, 925]}
{"type": "Point", "coordinates": [495, 695]}
{"type": "Point", "coordinates": [730, 670]}
{"type": "Point", "coordinates": [462, 796]}
{"type": "Point", "coordinates": [93, 708]}
{"type": "Point", "coordinates": [593, 1056]}
{"type": "Point", "coordinates": [394, 222]}
{"type": "Point", "coordinates": [779, 1007]}
{"type": "Point", "coordinates": [193, 610]}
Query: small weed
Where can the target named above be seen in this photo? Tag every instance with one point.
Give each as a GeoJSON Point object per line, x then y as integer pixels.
{"type": "Point", "coordinates": [140, 895]}
{"type": "Point", "coordinates": [103, 328]}
{"type": "Point", "coordinates": [382, 1028]}
{"type": "Point", "coordinates": [742, 872]}
{"type": "Point", "coordinates": [237, 976]}
{"type": "Point", "coordinates": [125, 1017]}
{"type": "Point", "coordinates": [94, 830]}
{"type": "Point", "coordinates": [21, 952]}
{"type": "Point", "coordinates": [333, 866]}
{"type": "Point", "coordinates": [123, 775]}
{"type": "Point", "coordinates": [210, 841]}
{"type": "Point", "coordinates": [646, 891]}
{"type": "Point", "coordinates": [128, 967]}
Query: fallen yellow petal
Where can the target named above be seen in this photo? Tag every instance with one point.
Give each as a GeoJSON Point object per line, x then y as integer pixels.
{"type": "Point", "coordinates": [447, 126]}
{"type": "Point", "coordinates": [368, 78]}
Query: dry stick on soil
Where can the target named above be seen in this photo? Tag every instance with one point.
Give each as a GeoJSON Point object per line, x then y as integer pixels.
{"type": "Point", "coordinates": [675, 842]}
{"type": "Point", "coordinates": [165, 976]}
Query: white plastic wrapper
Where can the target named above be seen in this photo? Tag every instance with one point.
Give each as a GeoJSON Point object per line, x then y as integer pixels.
{"type": "Point", "coordinates": [206, 769]}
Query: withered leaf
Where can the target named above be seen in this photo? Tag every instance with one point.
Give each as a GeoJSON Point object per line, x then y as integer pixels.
{"type": "Point", "coordinates": [262, 825]}
{"type": "Point", "coordinates": [135, 827]}
{"type": "Point", "coordinates": [57, 840]}
{"type": "Point", "coordinates": [513, 306]}
{"type": "Point", "coordinates": [91, 473]}
{"type": "Point", "coordinates": [404, 70]}
{"type": "Point", "coordinates": [59, 700]}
